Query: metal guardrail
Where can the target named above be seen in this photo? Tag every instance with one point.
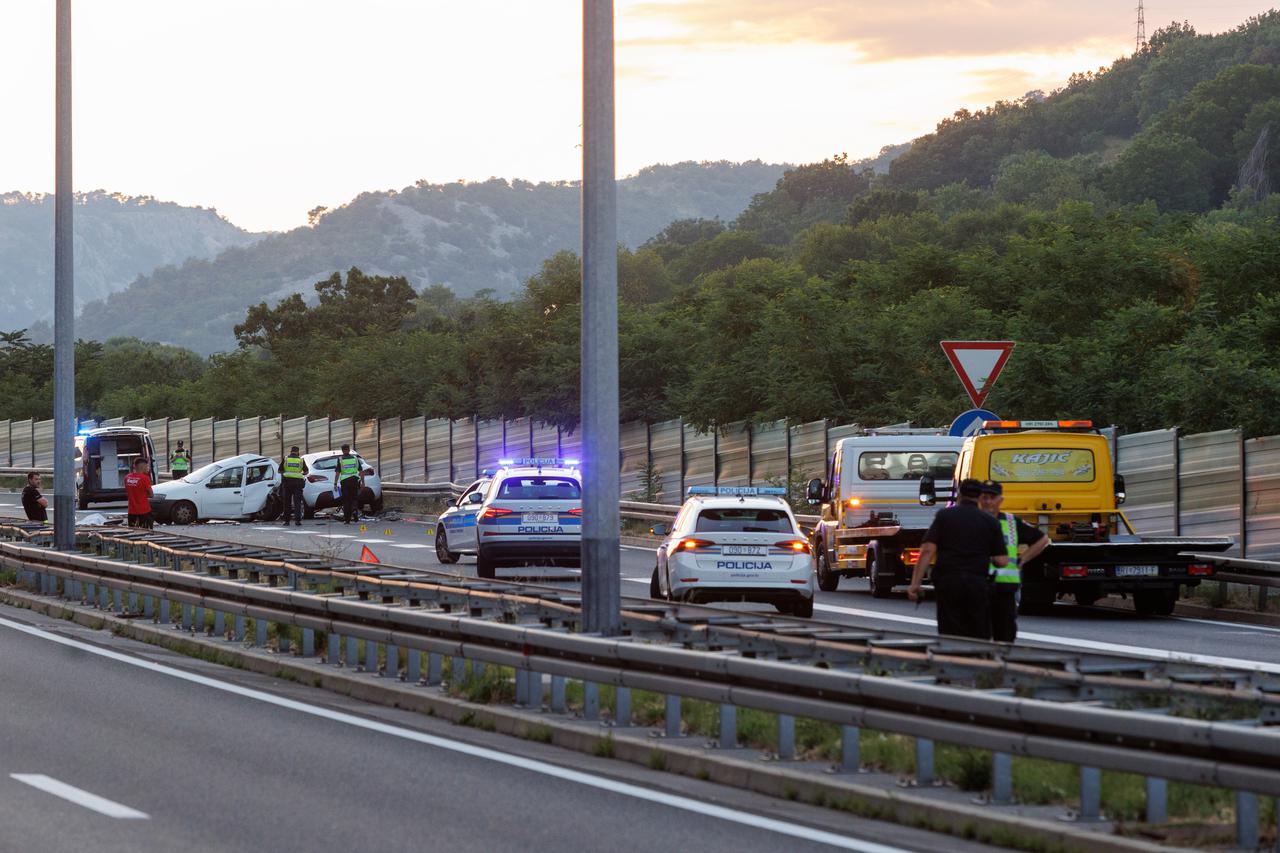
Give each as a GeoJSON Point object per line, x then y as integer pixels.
{"type": "Point", "coordinates": [1094, 712]}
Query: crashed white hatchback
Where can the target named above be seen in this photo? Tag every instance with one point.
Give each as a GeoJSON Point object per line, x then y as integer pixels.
{"type": "Point", "coordinates": [244, 486]}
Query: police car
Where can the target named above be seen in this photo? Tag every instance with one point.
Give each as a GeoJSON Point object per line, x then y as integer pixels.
{"type": "Point", "coordinates": [531, 512]}
{"type": "Point", "coordinates": [456, 526]}
{"type": "Point", "coordinates": [735, 544]}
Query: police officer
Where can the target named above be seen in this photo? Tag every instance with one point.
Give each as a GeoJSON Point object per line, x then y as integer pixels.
{"type": "Point", "coordinates": [966, 542]}
{"type": "Point", "coordinates": [1023, 543]}
{"type": "Point", "coordinates": [293, 471]}
{"type": "Point", "coordinates": [349, 477]}
{"type": "Point", "coordinates": [180, 462]}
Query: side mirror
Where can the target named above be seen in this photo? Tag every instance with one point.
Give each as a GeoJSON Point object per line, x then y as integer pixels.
{"type": "Point", "coordinates": [813, 493]}
{"type": "Point", "coordinates": [659, 529]}
{"type": "Point", "coordinates": [1120, 495]}
{"type": "Point", "coordinates": [475, 498]}
{"type": "Point", "coordinates": [928, 491]}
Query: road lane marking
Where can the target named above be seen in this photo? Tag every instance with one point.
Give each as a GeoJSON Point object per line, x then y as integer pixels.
{"type": "Point", "coordinates": [681, 802]}
{"type": "Point", "coordinates": [372, 541]}
{"type": "Point", "coordinates": [80, 797]}
{"type": "Point", "coordinates": [408, 545]}
{"type": "Point", "coordinates": [1076, 643]}
{"type": "Point", "coordinates": [334, 536]}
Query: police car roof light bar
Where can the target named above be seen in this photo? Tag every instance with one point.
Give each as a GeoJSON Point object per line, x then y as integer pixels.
{"type": "Point", "coordinates": [539, 462]}
{"type": "Point", "coordinates": [736, 491]}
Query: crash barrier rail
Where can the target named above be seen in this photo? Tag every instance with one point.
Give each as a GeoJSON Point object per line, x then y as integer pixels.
{"type": "Point", "coordinates": [1092, 711]}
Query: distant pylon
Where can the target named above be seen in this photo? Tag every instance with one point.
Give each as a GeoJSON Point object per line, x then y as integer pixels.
{"type": "Point", "coordinates": [1142, 29]}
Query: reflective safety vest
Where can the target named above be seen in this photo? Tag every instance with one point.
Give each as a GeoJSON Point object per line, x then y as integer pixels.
{"type": "Point", "coordinates": [348, 467]}
{"type": "Point", "coordinates": [1010, 573]}
{"type": "Point", "coordinates": [292, 467]}
{"type": "Point", "coordinates": [181, 462]}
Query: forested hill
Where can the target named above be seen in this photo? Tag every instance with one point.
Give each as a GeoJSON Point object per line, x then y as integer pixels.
{"type": "Point", "coordinates": [117, 239]}
{"type": "Point", "coordinates": [472, 237]}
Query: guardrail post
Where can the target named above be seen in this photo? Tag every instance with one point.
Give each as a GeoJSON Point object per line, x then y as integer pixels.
{"type": "Point", "coordinates": [457, 671]}
{"type": "Point", "coordinates": [219, 624]}
{"type": "Point", "coordinates": [353, 653]}
{"type": "Point", "coordinates": [148, 606]}
{"type": "Point", "coordinates": [1090, 793]}
{"type": "Point", "coordinates": [242, 628]}
{"type": "Point", "coordinates": [334, 658]}
{"type": "Point", "coordinates": [435, 668]}
{"type": "Point", "coordinates": [199, 620]}
{"type": "Point", "coordinates": [557, 694]}
{"type": "Point", "coordinates": [165, 616]}
{"type": "Point", "coordinates": [671, 718]}
{"type": "Point", "coordinates": [260, 633]}
{"type": "Point", "coordinates": [412, 666]}
{"type": "Point", "coordinates": [924, 762]}
{"type": "Point", "coordinates": [117, 600]}
{"type": "Point", "coordinates": [133, 601]}
{"type": "Point", "coordinates": [283, 639]}
{"type": "Point", "coordinates": [786, 736]}
{"type": "Point", "coordinates": [103, 595]}
{"type": "Point", "coordinates": [1001, 778]}
{"type": "Point", "coordinates": [393, 662]}
{"type": "Point", "coordinates": [590, 700]}
{"type": "Point", "coordinates": [850, 749]}
{"type": "Point", "coordinates": [186, 616]}
{"type": "Point", "coordinates": [1246, 820]}
{"type": "Point", "coordinates": [728, 726]}
{"type": "Point", "coordinates": [477, 669]}
{"type": "Point", "coordinates": [371, 656]}
{"type": "Point", "coordinates": [522, 688]}
{"type": "Point", "coordinates": [622, 707]}
{"type": "Point", "coordinates": [534, 687]}
{"type": "Point", "coordinates": [1157, 800]}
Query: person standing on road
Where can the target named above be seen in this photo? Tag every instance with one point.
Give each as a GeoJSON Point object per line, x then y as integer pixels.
{"type": "Point", "coordinates": [35, 504]}
{"type": "Point", "coordinates": [180, 462]}
{"type": "Point", "coordinates": [1023, 543]}
{"type": "Point", "coordinates": [966, 542]}
{"type": "Point", "coordinates": [293, 473]}
{"type": "Point", "coordinates": [137, 487]}
{"type": "Point", "coordinates": [349, 478]}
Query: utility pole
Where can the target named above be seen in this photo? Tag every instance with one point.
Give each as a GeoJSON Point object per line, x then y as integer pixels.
{"type": "Point", "coordinates": [1142, 29]}
{"type": "Point", "coordinates": [601, 570]}
{"type": "Point", "coordinates": [64, 306]}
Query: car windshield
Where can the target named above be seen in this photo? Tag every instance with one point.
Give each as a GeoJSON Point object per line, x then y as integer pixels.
{"type": "Point", "coordinates": [535, 488]}
{"type": "Point", "coordinates": [905, 465]}
{"type": "Point", "coordinates": [200, 474]}
{"type": "Point", "coordinates": [743, 520]}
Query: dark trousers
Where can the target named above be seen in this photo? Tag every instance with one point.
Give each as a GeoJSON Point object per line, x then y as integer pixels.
{"type": "Point", "coordinates": [1004, 611]}
{"type": "Point", "coordinates": [963, 605]}
{"type": "Point", "coordinates": [292, 494]}
{"type": "Point", "coordinates": [350, 498]}
{"type": "Point", "coordinates": [145, 519]}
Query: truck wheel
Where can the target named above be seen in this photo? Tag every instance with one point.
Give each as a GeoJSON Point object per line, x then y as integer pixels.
{"type": "Point", "coordinates": [881, 575]}
{"type": "Point", "coordinates": [827, 579]}
{"type": "Point", "coordinates": [1087, 597]}
{"type": "Point", "coordinates": [443, 554]}
{"type": "Point", "coordinates": [1155, 602]}
{"type": "Point", "coordinates": [486, 569]}
{"type": "Point", "coordinates": [1037, 598]}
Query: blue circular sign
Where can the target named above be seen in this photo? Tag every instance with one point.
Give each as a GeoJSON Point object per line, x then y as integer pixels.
{"type": "Point", "coordinates": [971, 422]}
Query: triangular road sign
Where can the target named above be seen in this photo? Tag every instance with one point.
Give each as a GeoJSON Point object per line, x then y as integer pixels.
{"type": "Point", "coordinates": [978, 363]}
{"type": "Point", "coordinates": [367, 556]}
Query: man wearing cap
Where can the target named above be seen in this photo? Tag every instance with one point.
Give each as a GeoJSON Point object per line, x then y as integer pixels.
{"type": "Point", "coordinates": [1023, 543]}
{"type": "Point", "coordinates": [293, 473]}
{"type": "Point", "coordinates": [966, 542]}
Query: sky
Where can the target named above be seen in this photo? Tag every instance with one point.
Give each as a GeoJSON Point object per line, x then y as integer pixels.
{"type": "Point", "coordinates": [265, 109]}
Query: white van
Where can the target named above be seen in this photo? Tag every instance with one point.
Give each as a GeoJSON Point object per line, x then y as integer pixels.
{"type": "Point", "coordinates": [104, 456]}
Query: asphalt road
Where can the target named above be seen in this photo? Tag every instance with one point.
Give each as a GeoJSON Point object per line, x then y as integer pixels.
{"type": "Point", "coordinates": [409, 544]}
{"type": "Point", "coordinates": [112, 745]}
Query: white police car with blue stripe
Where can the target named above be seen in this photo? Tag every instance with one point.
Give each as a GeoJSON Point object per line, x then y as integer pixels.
{"type": "Point", "coordinates": [456, 526]}
{"type": "Point", "coordinates": [531, 513]}
{"type": "Point", "coordinates": [735, 543]}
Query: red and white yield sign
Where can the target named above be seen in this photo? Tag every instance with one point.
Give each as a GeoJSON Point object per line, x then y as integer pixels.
{"type": "Point", "coordinates": [978, 363]}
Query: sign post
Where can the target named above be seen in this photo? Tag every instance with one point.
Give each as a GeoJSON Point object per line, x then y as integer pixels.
{"type": "Point", "coordinates": [978, 363]}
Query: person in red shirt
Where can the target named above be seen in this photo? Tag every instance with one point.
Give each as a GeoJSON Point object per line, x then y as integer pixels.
{"type": "Point", "coordinates": [138, 487]}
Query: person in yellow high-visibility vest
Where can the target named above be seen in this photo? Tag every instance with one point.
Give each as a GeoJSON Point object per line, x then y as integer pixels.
{"type": "Point", "coordinates": [348, 480]}
{"type": "Point", "coordinates": [293, 473]}
{"type": "Point", "coordinates": [1023, 543]}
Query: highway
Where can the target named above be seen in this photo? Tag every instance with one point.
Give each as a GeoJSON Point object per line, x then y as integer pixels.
{"type": "Point", "coordinates": [409, 544]}
{"type": "Point", "coordinates": [114, 745]}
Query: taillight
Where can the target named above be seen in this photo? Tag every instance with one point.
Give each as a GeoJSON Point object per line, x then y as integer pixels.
{"type": "Point", "coordinates": [1075, 571]}
{"type": "Point", "coordinates": [495, 512]}
{"type": "Point", "coordinates": [800, 546]}
{"type": "Point", "coordinates": [910, 556]}
{"type": "Point", "coordinates": [317, 478]}
{"type": "Point", "coordinates": [1200, 569]}
{"type": "Point", "coordinates": [693, 544]}
{"type": "Point", "coordinates": [577, 510]}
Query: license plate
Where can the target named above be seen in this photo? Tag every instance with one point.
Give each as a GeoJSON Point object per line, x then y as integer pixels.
{"type": "Point", "coordinates": [1137, 571]}
{"type": "Point", "coordinates": [540, 517]}
{"type": "Point", "coordinates": [744, 550]}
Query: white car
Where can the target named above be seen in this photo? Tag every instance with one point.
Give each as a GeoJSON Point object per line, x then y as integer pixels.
{"type": "Point", "coordinates": [531, 512]}
{"type": "Point", "coordinates": [456, 526]}
{"type": "Point", "coordinates": [317, 491]}
{"type": "Point", "coordinates": [241, 486]}
{"type": "Point", "coordinates": [735, 544]}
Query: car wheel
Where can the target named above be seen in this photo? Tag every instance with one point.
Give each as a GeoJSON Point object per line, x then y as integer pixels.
{"type": "Point", "coordinates": [485, 569]}
{"type": "Point", "coordinates": [881, 575]}
{"type": "Point", "coordinates": [273, 508]}
{"type": "Point", "coordinates": [803, 608]}
{"type": "Point", "coordinates": [183, 512]}
{"type": "Point", "coordinates": [655, 589]}
{"type": "Point", "coordinates": [827, 579]}
{"type": "Point", "coordinates": [443, 554]}
{"type": "Point", "coordinates": [1155, 602]}
{"type": "Point", "coordinates": [308, 512]}
{"type": "Point", "coordinates": [375, 506]}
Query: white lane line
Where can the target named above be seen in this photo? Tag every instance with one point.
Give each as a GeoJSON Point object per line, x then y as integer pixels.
{"type": "Point", "coordinates": [334, 536]}
{"type": "Point", "coordinates": [408, 545]}
{"type": "Point", "coordinates": [80, 797]}
{"type": "Point", "coordinates": [1237, 627]}
{"type": "Point", "coordinates": [1077, 643]}
{"type": "Point", "coordinates": [374, 541]}
{"type": "Point", "coordinates": [640, 548]}
{"type": "Point", "coordinates": [681, 802]}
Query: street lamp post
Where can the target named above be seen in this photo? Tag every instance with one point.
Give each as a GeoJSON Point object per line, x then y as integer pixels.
{"type": "Point", "coordinates": [64, 356]}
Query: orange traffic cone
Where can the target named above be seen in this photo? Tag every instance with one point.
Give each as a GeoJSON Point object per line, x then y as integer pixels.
{"type": "Point", "coordinates": [367, 556]}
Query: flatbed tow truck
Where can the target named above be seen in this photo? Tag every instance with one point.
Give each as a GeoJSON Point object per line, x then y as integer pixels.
{"type": "Point", "coordinates": [1058, 476]}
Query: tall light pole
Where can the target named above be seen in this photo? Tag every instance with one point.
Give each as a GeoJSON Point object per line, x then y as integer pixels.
{"type": "Point", "coordinates": [601, 570]}
{"type": "Point", "coordinates": [64, 306]}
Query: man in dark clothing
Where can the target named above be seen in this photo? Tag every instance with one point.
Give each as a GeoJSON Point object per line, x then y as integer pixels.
{"type": "Point", "coordinates": [348, 476]}
{"type": "Point", "coordinates": [1023, 543]}
{"type": "Point", "coordinates": [35, 504]}
{"type": "Point", "coordinates": [293, 471]}
{"type": "Point", "coordinates": [966, 542]}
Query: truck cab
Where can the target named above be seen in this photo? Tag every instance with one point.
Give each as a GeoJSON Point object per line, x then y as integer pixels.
{"type": "Point", "coordinates": [872, 522]}
{"type": "Point", "coordinates": [1058, 476]}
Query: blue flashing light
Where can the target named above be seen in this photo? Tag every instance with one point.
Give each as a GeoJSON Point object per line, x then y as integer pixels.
{"type": "Point", "coordinates": [572, 463]}
{"type": "Point", "coordinates": [505, 462]}
{"type": "Point", "coordinates": [539, 462]}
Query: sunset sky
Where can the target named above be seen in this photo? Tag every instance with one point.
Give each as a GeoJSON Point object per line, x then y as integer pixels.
{"type": "Point", "coordinates": [267, 108]}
